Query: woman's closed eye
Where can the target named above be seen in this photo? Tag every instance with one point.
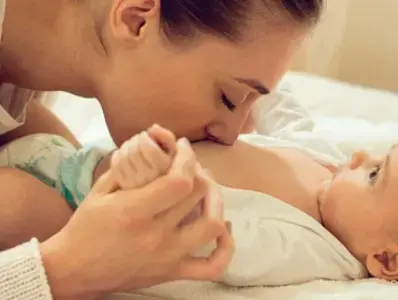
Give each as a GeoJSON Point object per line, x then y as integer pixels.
{"type": "Point", "coordinates": [374, 174]}
{"type": "Point", "coordinates": [228, 104]}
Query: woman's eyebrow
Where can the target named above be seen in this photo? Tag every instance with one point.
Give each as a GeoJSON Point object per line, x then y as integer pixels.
{"type": "Point", "coordinates": [254, 84]}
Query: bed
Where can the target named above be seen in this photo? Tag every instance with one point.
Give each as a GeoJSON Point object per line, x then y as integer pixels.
{"type": "Point", "coordinates": [353, 116]}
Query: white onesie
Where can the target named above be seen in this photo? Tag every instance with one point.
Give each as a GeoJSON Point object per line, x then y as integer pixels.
{"type": "Point", "coordinates": [277, 244]}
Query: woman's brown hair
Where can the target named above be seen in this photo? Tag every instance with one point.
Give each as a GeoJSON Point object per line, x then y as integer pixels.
{"type": "Point", "coordinates": [226, 18]}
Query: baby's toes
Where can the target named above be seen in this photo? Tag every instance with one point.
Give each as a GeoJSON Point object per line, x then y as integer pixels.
{"type": "Point", "coordinates": [164, 138]}
{"type": "Point", "coordinates": [152, 157]}
{"type": "Point", "coordinates": [122, 163]}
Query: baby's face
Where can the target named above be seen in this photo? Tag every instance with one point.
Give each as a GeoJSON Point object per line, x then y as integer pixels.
{"type": "Point", "coordinates": [360, 207]}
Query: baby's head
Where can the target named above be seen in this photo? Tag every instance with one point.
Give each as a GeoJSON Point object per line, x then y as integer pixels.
{"type": "Point", "coordinates": [360, 207]}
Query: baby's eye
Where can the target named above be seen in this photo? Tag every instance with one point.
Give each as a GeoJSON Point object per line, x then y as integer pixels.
{"type": "Point", "coordinates": [374, 174]}
{"type": "Point", "coordinates": [228, 104]}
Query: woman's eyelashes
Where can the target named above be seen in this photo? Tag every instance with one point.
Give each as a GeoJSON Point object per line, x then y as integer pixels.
{"type": "Point", "coordinates": [228, 104]}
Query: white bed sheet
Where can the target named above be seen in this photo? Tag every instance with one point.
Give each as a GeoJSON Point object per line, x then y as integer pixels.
{"type": "Point", "coordinates": [353, 116]}
{"type": "Point", "coordinates": [317, 290]}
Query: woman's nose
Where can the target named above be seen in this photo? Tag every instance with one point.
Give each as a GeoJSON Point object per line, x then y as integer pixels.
{"type": "Point", "coordinates": [224, 133]}
{"type": "Point", "coordinates": [227, 127]}
{"type": "Point", "coordinates": [358, 159]}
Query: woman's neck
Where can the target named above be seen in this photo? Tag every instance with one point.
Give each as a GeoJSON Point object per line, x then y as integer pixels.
{"type": "Point", "coordinates": [49, 45]}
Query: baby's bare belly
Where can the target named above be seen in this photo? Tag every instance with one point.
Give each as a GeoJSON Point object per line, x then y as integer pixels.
{"type": "Point", "coordinates": [287, 174]}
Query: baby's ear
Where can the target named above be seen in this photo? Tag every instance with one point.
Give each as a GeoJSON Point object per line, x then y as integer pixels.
{"type": "Point", "coordinates": [384, 263]}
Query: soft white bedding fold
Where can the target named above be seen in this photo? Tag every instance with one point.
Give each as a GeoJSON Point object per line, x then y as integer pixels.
{"type": "Point", "coordinates": [316, 290]}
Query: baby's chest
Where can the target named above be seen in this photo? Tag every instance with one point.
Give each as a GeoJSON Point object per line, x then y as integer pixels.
{"type": "Point", "coordinates": [302, 177]}
{"type": "Point", "coordinates": [292, 177]}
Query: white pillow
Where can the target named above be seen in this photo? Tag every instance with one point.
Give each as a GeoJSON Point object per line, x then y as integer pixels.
{"type": "Point", "coordinates": [328, 97]}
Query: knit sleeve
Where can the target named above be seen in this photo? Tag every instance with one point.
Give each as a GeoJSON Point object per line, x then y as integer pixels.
{"type": "Point", "coordinates": [22, 274]}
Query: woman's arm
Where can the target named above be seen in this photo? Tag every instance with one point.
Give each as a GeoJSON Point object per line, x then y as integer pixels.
{"type": "Point", "coordinates": [39, 120]}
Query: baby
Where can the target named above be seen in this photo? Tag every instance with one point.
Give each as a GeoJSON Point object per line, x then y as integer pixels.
{"type": "Point", "coordinates": [295, 216]}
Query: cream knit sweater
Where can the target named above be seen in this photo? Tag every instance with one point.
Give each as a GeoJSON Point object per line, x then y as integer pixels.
{"type": "Point", "coordinates": [22, 275]}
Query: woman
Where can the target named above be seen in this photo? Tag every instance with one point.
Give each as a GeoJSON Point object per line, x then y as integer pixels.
{"type": "Point", "coordinates": [192, 66]}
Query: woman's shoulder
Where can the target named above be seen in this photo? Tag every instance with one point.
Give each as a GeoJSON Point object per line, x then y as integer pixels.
{"type": "Point", "coordinates": [13, 103]}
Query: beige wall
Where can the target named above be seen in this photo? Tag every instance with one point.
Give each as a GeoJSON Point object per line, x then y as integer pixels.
{"type": "Point", "coordinates": [357, 41]}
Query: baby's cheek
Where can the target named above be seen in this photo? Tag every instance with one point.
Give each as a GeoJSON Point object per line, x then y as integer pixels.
{"type": "Point", "coordinates": [332, 204]}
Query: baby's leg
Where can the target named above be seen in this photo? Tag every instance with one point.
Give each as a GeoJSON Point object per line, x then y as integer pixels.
{"type": "Point", "coordinates": [143, 158]}
{"type": "Point", "coordinates": [29, 204]}
{"type": "Point", "coordinates": [28, 208]}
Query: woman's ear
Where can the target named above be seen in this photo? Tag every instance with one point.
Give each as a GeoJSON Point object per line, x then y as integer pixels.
{"type": "Point", "coordinates": [384, 263]}
{"type": "Point", "coordinates": [129, 19]}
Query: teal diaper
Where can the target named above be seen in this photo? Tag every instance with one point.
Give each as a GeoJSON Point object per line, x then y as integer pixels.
{"type": "Point", "coordinates": [76, 174]}
{"type": "Point", "coordinates": [55, 162]}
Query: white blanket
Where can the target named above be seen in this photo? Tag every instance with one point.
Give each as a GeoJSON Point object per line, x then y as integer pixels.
{"type": "Point", "coordinates": [354, 117]}
{"type": "Point", "coordinates": [316, 290]}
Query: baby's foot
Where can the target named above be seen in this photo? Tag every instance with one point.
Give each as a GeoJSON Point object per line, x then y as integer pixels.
{"type": "Point", "coordinates": [140, 161]}
{"type": "Point", "coordinates": [143, 158]}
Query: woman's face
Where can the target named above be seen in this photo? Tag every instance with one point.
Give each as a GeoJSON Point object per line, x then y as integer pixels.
{"type": "Point", "coordinates": [199, 90]}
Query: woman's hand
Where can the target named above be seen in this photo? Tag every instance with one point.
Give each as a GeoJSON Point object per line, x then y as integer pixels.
{"type": "Point", "coordinates": [118, 241]}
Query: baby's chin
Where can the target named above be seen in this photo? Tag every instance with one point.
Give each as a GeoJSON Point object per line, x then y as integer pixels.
{"type": "Point", "coordinates": [325, 187]}
{"type": "Point", "coordinates": [322, 198]}
{"type": "Point", "coordinates": [323, 190]}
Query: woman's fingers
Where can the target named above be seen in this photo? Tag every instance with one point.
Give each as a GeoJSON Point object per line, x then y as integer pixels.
{"type": "Point", "coordinates": [199, 233]}
{"type": "Point", "coordinates": [211, 267]}
{"type": "Point", "coordinates": [213, 205]}
{"type": "Point", "coordinates": [176, 214]}
{"type": "Point", "coordinates": [105, 184]}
